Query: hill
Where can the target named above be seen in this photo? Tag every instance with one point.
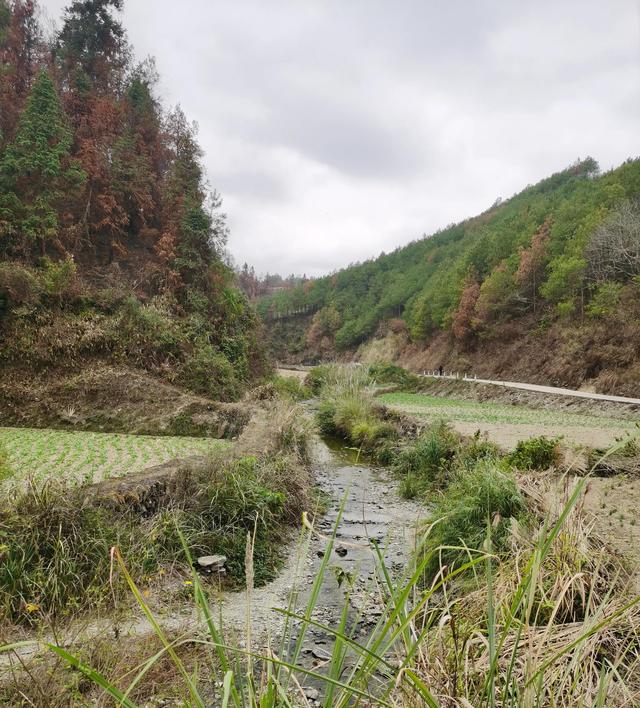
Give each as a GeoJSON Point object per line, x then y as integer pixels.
{"type": "Point", "coordinates": [543, 286]}
{"type": "Point", "coordinates": [112, 247]}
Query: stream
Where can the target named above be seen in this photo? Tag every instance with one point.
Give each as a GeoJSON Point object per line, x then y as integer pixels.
{"type": "Point", "coordinates": [372, 511]}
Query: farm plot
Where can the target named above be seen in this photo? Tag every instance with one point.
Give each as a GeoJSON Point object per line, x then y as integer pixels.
{"type": "Point", "coordinates": [506, 425]}
{"type": "Point", "coordinates": [90, 457]}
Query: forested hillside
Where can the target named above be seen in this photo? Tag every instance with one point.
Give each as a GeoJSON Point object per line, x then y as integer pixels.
{"type": "Point", "coordinates": [544, 285]}
{"type": "Point", "coordinates": [111, 244]}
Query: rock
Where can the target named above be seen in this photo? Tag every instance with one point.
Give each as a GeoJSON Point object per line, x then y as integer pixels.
{"type": "Point", "coordinates": [311, 694]}
{"type": "Point", "coordinates": [341, 551]}
{"type": "Point", "coordinates": [212, 563]}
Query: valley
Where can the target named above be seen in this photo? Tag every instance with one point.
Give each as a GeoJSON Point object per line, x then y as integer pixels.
{"type": "Point", "coordinates": [406, 479]}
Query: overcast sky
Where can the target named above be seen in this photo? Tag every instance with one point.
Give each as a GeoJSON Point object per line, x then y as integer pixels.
{"type": "Point", "coordinates": [337, 129]}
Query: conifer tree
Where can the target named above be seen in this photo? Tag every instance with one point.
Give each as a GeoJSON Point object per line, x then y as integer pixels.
{"type": "Point", "coordinates": [21, 48]}
{"type": "Point", "coordinates": [36, 173]}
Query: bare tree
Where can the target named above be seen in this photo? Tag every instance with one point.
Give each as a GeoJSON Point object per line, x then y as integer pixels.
{"type": "Point", "coordinates": [613, 253]}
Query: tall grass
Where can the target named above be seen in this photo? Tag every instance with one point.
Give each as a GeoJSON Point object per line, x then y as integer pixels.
{"type": "Point", "coordinates": [550, 626]}
{"type": "Point", "coordinates": [347, 409]}
{"type": "Point", "coordinates": [55, 539]}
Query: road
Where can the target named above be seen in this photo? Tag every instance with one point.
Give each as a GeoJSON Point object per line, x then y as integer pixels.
{"type": "Point", "coordinates": [544, 389]}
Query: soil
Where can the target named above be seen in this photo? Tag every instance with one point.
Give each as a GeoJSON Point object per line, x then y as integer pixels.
{"type": "Point", "coordinates": [601, 354]}
{"type": "Point", "coordinates": [508, 435]}
{"type": "Point", "coordinates": [104, 398]}
{"type": "Point", "coordinates": [614, 503]}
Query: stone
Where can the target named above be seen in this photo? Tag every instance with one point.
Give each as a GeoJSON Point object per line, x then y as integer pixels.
{"type": "Point", "coordinates": [212, 563]}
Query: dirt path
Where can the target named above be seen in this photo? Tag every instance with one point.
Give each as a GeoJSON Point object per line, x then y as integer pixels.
{"type": "Point", "coordinates": [372, 511]}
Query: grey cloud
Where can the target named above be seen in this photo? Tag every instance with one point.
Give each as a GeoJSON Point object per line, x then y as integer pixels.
{"type": "Point", "coordinates": [339, 129]}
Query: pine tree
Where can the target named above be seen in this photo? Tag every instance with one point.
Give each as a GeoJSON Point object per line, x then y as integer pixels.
{"type": "Point", "coordinates": [195, 229]}
{"type": "Point", "coordinates": [21, 47]}
{"type": "Point", "coordinates": [36, 173]}
{"type": "Point", "coordinates": [92, 46]}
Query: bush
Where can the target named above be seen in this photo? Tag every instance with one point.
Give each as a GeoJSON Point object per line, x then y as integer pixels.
{"type": "Point", "coordinates": [475, 450]}
{"type": "Point", "coordinates": [476, 497]}
{"type": "Point", "coordinates": [392, 374]}
{"type": "Point", "coordinates": [317, 377]}
{"type": "Point", "coordinates": [428, 461]}
{"type": "Point", "coordinates": [325, 418]}
{"type": "Point", "coordinates": [291, 388]}
{"type": "Point", "coordinates": [535, 453]}
{"type": "Point", "coordinates": [18, 286]}
{"type": "Point", "coordinates": [209, 372]}
{"type": "Point", "coordinates": [60, 279]}
{"type": "Point", "coordinates": [605, 300]}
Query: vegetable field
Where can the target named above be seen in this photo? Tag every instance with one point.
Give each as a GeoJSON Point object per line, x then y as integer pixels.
{"type": "Point", "coordinates": [90, 457]}
{"type": "Point", "coordinates": [434, 407]}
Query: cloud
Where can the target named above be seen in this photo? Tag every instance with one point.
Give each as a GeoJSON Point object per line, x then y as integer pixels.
{"type": "Point", "coordinates": [335, 130]}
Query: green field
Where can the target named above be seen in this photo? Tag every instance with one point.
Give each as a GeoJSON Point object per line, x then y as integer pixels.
{"type": "Point", "coordinates": [90, 457]}
{"type": "Point", "coordinates": [436, 408]}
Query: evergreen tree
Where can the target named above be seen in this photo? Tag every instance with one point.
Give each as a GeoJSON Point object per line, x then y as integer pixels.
{"type": "Point", "coordinates": [36, 173]}
{"type": "Point", "coordinates": [92, 46]}
{"type": "Point", "coordinates": [195, 229]}
{"type": "Point", "coordinates": [21, 48]}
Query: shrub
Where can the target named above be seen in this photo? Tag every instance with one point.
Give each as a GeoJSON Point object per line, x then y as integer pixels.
{"type": "Point", "coordinates": [605, 300]}
{"type": "Point", "coordinates": [291, 388]}
{"type": "Point", "coordinates": [390, 373]}
{"type": "Point", "coordinates": [535, 454]}
{"type": "Point", "coordinates": [428, 460]}
{"type": "Point", "coordinates": [317, 377]}
{"type": "Point", "coordinates": [60, 279]}
{"type": "Point", "coordinates": [476, 497]}
{"type": "Point", "coordinates": [325, 418]}
{"type": "Point", "coordinates": [476, 450]}
{"type": "Point", "coordinates": [209, 372]}
{"type": "Point", "coordinates": [18, 286]}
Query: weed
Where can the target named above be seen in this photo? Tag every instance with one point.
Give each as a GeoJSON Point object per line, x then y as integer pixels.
{"type": "Point", "coordinates": [428, 460]}
{"type": "Point", "coordinates": [476, 497]}
{"type": "Point", "coordinates": [291, 389]}
{"type": "Point", "coordinates": [487, 647]}
{"type": "Point", "coordinates": [539, 453]}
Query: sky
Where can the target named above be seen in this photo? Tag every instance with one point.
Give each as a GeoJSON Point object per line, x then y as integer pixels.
{"type": "Point", "coordinates": [339, 129]}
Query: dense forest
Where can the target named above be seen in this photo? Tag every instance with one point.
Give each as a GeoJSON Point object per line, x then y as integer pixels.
{"type": "Point", "coordinates": [562, 255]}
{"type": "Point", "coordinates": [111, 242]}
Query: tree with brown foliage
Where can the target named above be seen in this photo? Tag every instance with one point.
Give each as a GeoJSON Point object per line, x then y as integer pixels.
{"type": "Point", "coordinates": [531, 269]}
{"type": "Point", "coordinates": [21, 50]}
{"type": "Point", "coordinates": [463, 320]}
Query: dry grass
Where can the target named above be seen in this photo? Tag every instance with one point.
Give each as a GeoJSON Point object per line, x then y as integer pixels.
{"type": "Point", "coordinates": [562, 632]}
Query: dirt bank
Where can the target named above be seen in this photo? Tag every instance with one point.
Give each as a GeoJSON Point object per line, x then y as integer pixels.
{"type": "Point", "coordinates": [482, 393]}
{"type": "Point", "coordinates": [111, 399]}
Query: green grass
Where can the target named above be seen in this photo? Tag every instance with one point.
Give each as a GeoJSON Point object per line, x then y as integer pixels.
{"type": "Point", "coordinates": [90, 457]}
{"type": "Point", "coordinates": [436, 408]}
{"type": "Point", "coordinates": [517, 639]}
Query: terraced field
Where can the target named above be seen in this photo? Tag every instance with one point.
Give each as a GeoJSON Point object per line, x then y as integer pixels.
{"type": "Point", "coordinates": [90, 457]}
{"type": "Point", "coordinates": [506, 424]}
